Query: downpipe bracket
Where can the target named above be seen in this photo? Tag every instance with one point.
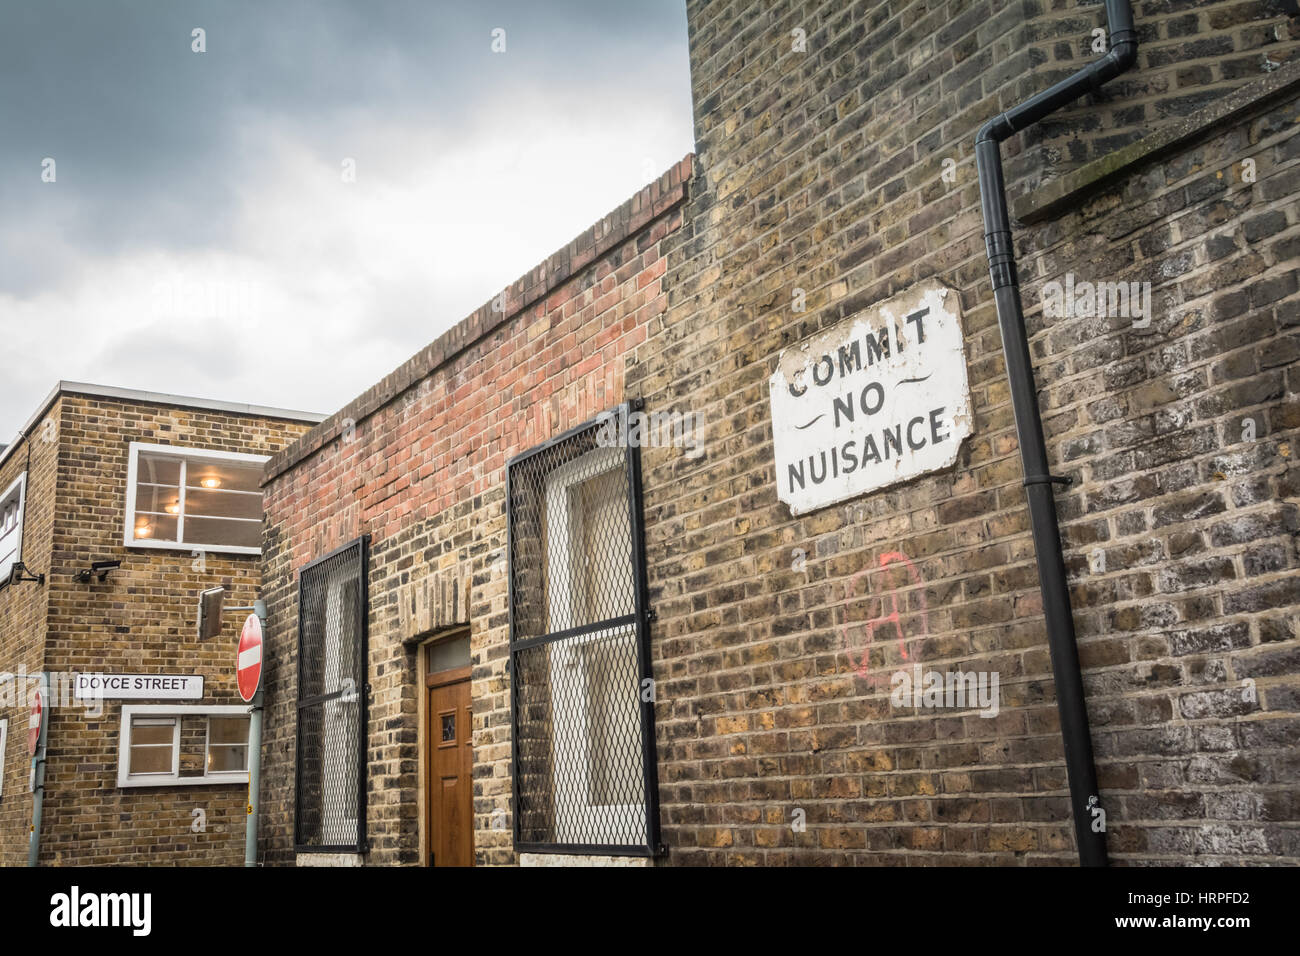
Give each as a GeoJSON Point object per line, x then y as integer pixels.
{"type": "Point", "coordinates": [1047, 480]}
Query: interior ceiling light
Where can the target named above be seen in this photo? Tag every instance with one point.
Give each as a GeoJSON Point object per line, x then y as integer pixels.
{"type": "Point", "coordinates": [211, 482]}
{"type": "Point", "coordinates": [143, 530]}
{"type": "Point", "coordinates": [173, 509]}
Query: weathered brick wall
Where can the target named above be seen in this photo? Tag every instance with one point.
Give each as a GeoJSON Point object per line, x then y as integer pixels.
{"type": "Point", "coordinates": [821, 172]}
{"type": "Point", "coordinates": [142, 619]}
{"type": "Point", "coordinates": [22, 626]}
{"type": "Point", "coordinates": [1190, 53]}
{"type": "Point", "coordinates": [1181, 526]}
{"type": "Point", "coordinates": [418, 462]}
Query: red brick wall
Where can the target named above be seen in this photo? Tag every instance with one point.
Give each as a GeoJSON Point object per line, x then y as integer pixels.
{"type": "Point", "coordinates": [418, 462]}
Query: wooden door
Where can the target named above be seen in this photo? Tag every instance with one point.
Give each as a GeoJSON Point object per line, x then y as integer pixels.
{"type": "Point", "coordinates": [450, 763]}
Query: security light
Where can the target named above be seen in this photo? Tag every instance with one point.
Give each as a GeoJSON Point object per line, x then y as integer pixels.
{"type": "Point", "coordinates": [210, 604]}
{"type": "Point", "coordinates": [19, 573]}
{"type": "Point", "coordinates": [98, 569]}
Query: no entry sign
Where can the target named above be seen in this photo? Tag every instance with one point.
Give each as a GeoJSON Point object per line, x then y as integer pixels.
{"type": "Point", "coordinates": [248, 669]}
{"type": "Point", "coordinates": [34, 723]}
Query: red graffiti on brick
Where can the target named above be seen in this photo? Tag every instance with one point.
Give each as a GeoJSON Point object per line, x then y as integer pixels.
{"type": "Point", "coordinates": [893, 617]}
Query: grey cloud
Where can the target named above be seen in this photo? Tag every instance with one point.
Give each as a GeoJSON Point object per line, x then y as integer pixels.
{"type": "Point", "coordinates": [158, 148]}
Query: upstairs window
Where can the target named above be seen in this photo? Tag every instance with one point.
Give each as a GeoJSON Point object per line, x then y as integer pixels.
{"type": "Point", "coordinates": [194, 499]}
{"type": "Point", "coordinates": [583, 719]}
{"type": "Point", "coordinates": [11, 526]}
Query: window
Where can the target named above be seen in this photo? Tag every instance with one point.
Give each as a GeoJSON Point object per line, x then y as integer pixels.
{"type": "Point", "coordinates": [11, 526]}
{"type": "Point", "coordinates": [583, 730]}
{"type": "Point", "coordinates": [155, 747]}
{"type": "Point", "coordinates": [4, 737]}
{"type": "Point", "coordinates": [332, 613]}
{"type": "Point", "coordinates": [227, 750]}
{"type": "Point", "coordinates": [162, 745]}
{"type": "Point", "coordinates": [192, 498]}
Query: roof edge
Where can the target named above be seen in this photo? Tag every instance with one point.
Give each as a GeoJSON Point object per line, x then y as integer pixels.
{"type": "Point", "coordinates": [143, 397]}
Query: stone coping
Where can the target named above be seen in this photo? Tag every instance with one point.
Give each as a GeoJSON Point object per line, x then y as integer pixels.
{"type": "Point", "coordinates": [1065, 192]}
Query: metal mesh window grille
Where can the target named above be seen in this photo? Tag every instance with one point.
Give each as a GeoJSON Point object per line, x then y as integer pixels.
{"type": "Point", "coordinates": [583, 734]}
{"type": "Point", "coordinates": [332, 616]}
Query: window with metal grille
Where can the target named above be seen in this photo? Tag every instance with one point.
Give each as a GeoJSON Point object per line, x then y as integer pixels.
{"type": "Point", "coordinates": [332, 614]}
{"type": "Point", "coordinates": [583, 717]}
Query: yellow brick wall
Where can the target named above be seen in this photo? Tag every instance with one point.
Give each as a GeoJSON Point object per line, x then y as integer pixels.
{"type": "Point", "coordinates": [140, 620]}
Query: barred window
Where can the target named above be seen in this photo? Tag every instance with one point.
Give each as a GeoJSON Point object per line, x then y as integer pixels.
{"type": "Point", "coordinates": [332, 616]}
{"type": "Point", "coordinates": [583, 718]}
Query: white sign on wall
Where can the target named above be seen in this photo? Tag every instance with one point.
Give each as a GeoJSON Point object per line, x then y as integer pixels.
{"type": "Point", "coordinates": [139, 687]}
{"type": "Point", "coordinates": [880, 398]}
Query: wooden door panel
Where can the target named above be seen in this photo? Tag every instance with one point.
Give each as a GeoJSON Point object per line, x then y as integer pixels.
{"type": "Point", "coordinates": [450, 762]}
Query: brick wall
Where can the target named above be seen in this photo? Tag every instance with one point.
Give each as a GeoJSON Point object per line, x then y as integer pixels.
{"type": "Point", "coordinates": [1180, 437]}
{"type": "Point", "coordinates": [418, 462]}
{"type": "Point", "coordinates": [821, 172]}
{"type": "Point", "coordinates": [23, 624]}
{"type": "Point", "coordinates": [1190, 53]}
{"type": "Point", "coordinates": [140, 620]}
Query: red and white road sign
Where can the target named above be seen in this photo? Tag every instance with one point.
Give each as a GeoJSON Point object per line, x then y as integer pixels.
{"type": "Point", "coordinates": [34, 723]}
{"type": "Point", "coordinates": [248, 671]}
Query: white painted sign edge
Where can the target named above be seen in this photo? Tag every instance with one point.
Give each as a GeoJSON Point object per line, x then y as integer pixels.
{"type": "Point", "coordinates": [895, 305]}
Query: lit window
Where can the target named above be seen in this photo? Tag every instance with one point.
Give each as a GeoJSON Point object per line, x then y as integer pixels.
{"type": "Point", "coordinates": [11, 526]}
{"type": "Point", "coordinates": [193, 498]}
{"type": "Point", "coordinates": [164, 745]}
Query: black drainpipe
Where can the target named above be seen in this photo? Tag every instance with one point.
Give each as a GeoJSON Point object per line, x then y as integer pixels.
{"type": "Point", "coordinates": [1079, 765]}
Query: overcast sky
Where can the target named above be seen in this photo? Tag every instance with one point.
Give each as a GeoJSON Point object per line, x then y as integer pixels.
{"type": "Point", "coordinates": [199, 237]}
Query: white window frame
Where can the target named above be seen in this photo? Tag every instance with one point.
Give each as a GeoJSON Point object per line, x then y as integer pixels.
{"type": "Point", "coordinates": [207, 747]}
{"type": "Point", "coordinates": [124, 777]}
{"type": "Point", "coordinates": [183, 453]}
{"type": "Point", "coordinates": [577, 820]}
{"type": "Point", "coordinates": [4, 737]}
{"type": "Point", "coordinates": [19, 484]}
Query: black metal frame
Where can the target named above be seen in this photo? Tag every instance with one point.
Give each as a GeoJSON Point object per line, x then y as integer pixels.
{"type": "Point", "coordinates": [642, 617]}
{"type": "Point", "coordinates": [363, 716]}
